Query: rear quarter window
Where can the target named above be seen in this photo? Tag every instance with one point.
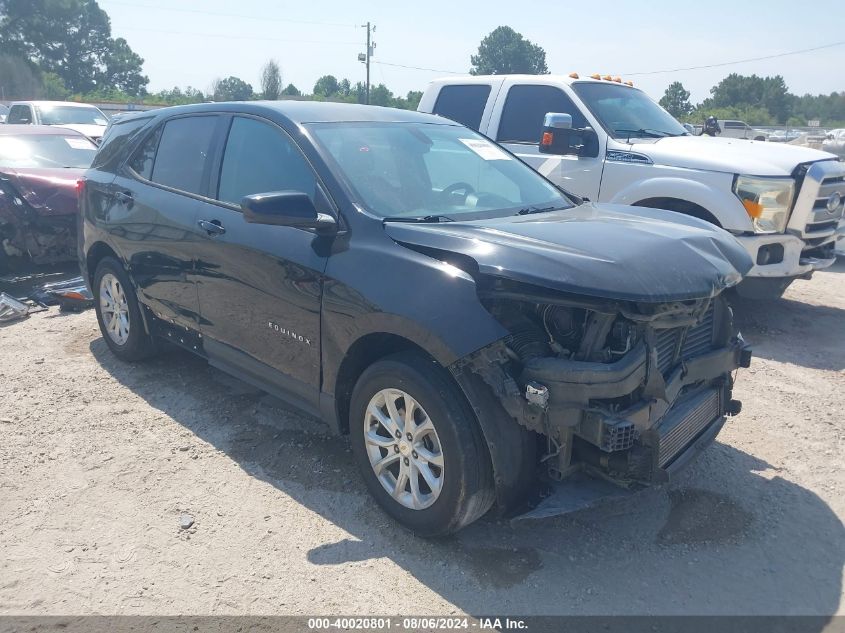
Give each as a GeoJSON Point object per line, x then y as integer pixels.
{"type": "Point", "coordinates": [117, 138]}
{"type": "Point", "coordinates": [463, 104]}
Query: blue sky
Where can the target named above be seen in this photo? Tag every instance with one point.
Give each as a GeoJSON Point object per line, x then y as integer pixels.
{"type": "Point", "coordinates": [187, 42]}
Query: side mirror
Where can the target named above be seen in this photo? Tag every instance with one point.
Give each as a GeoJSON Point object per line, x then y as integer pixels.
{"type": "Point", "coordinates": [286, 208]}
{"type": "Point", "coordinates": [560, 138]}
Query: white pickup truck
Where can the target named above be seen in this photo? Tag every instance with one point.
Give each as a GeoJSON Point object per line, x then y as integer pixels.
{"type": "Point", "coordinates": [781, 202]}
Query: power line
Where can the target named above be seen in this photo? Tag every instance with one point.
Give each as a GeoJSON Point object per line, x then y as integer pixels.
{"type": "Point", "coordinates": [739, 61]}
{"type": "Point", "coordinates": [434, 70]}
{"type": "Point", "coordinates": [263, 18]}
{"type": "Point", "coordinates": [655, 72]}
{"type": "Point", "coordinates": [229, 36]}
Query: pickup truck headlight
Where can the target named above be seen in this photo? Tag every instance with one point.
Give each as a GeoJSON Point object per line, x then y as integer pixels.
{"type": "Point", "coordinates": [766, 200]}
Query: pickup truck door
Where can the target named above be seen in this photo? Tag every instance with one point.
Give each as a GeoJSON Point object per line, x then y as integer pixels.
{"type": "Point", "coordinates": [517, 122]}
{"type": "Point", "coordinates": [259, 285]}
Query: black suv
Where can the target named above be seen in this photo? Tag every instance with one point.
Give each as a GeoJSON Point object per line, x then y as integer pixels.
{"type": "Point", "coordinates": [473, 328]}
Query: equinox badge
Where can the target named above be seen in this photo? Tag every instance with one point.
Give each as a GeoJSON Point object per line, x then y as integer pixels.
{"type": "Point", "coordinates": [286, 332]}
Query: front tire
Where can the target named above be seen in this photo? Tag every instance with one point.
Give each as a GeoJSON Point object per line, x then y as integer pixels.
{"type": "Point", "coordinates": [119, 313]}
{"type": "Point", "coordinates": [419, 447]}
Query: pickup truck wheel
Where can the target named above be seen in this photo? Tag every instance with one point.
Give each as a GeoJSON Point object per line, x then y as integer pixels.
{"type": "Point", "coordinates": [419, 447]}
{"type": "Point", "coordinates": [118, 312]}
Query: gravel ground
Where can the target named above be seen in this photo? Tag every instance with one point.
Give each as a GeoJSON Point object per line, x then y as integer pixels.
{"type": "Point", "coordinates": [102, 464]}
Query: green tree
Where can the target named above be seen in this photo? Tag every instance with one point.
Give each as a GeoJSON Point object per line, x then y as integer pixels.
{"type": "Point", "coordinates": [71, 38]}
{"type": "Point", "coordinates": [231, 89]}
{"type": "Point", "coordinates": [742, 91]}
{"type": "Point", "coordinates": [271, 80]}
{"type": "Point", "coordinates": [326, 86]}
{"type": "Point", "coordinates": [380, 95]}
{"type": "Point", "coordinates": [121, 70]}
{"type": "Point", "coordinates": [676, 100]}
{"type": "Point", "coordinates": [291, 91]}
{"type": "Point", "coordinates": [504, 51]}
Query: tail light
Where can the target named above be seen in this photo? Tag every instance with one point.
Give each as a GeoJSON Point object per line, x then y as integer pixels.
{"type": "Point", "coordinates": [80, 188]}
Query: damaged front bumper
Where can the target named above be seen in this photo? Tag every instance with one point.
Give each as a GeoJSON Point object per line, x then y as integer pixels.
{"type": "Point", "coordinates": [612, 428]}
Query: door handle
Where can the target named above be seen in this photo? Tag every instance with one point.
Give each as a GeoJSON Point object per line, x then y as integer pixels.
{"type": "Point", "coordinates": [124, 197]}
{"type": "Point", "coordinates": [212, 227]}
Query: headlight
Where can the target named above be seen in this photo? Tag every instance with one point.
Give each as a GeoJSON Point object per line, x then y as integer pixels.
{"type": "Point", "coordinates": [766, 200]}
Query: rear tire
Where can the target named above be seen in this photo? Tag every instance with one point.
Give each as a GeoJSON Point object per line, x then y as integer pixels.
{"type": "Point", "coordinates": [462, 484]}
{"type": "Point", "coordinates": [119, 313]}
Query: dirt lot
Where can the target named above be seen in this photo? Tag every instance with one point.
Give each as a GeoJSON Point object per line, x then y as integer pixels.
{"type": "Point", "coordinates": [100, 460]}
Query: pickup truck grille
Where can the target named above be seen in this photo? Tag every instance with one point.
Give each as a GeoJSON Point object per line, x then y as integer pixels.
{"type": "Point", "coordinates": [685, 422]}
{"type": "Point", "coordinates": [698, 341]}
{"type": "Point", "coordinates": [811, 217]}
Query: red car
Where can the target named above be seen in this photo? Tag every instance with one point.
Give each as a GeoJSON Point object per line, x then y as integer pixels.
{"type": "Point", "coordinates": [39, 169]}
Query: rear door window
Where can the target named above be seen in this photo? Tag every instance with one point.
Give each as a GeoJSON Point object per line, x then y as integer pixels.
{"type": "Point", "coordinates": [260, 158]}
{"type": "Point", "coordinates": [183, 152]}
{"type": "Point", "coordinates": [464, 104]}
{"type": "Point", "coordinates": [525, 108]}
{"type": "Point", "coordinates": [20, 114]}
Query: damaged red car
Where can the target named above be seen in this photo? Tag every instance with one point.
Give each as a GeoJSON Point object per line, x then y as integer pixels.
{"type": "Point", "coordinates": [39, 170]}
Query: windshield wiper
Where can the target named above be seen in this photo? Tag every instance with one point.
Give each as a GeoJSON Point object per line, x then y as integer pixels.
{"type": "Point", "coordinates": [648, 133]}
{"type": "Point", "coordinates": [426, 219]}
{"type": "Point", "coordinates": [530, 210]}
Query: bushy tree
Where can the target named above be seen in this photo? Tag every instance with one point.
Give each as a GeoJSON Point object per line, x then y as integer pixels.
{"type": "Point", "coordinates": [231, 89]}
{"type": "Point", "coordinates": [504, 51]}
{"type": "Point", "coordinates": [676, 100]}
{"type": "Point", "coordinates": [291, 91]}
{"type": "Point", "coordinates": [72, 39]}
{"type": "Point", "coordinates": [380, 95]}
{"type": "Point", "coordinates": [326, 86]}
{"type": "Point", "coordinates": [741, 91]}
{"type": "Point", "coordinates": [271, 80]}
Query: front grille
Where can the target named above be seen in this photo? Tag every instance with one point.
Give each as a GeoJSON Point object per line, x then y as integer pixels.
{"type": "Point", "coordinates": [685, 422]}
{"type": "Point", "coordinates": [698, 341]}
{"type": "Point", "coordinates": [821, 222]}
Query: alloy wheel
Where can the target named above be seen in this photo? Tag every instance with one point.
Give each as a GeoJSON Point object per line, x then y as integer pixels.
{"type": "Point", "coordinates": [404, 449]}
{"type": "Point", "coordinates": [114, 309]}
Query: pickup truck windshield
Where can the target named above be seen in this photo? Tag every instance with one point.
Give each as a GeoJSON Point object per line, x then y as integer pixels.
{"type": "Point", "coordinates": [70, 115]}
{"type": "Point", "coordinates": [423, 170]}
{"type": "Point", "coordinates": [627, 113]}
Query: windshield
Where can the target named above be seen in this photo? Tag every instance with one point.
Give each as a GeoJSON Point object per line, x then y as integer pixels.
{"type": "Point", "coordinates": [70, 115]}
{"type": "Point", "coordinates": [627, 113]}
{"type": "Point", "coordinates": [423, 170]}
{"type": "Point", "coordinates": [46, 150]}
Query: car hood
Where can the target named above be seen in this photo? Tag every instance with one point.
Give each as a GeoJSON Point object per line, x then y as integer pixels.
{"type": "Point", "coordinates": [48, 192]}
{"type": "Point", "coordinates": [736, 156]}
{"type": "Point", "coordinates": [599, 250]}
{"type": "Point", "coordinates": [91, 131]}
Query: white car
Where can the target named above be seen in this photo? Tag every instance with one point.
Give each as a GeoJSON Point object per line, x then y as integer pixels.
{"type": "Point", "coordinates": [781, 202]}
{"type": "Point", "coordinates": [835, 142]}
{"type": "Point", "coordinates": [81, 117]}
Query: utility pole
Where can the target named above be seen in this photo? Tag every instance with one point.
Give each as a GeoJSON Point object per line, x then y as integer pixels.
{"type": "Point", "coordinates": [365, 57]}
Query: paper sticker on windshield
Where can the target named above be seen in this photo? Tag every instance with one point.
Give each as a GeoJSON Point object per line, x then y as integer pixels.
{"type": "Point", "coordinates": [77, 143]}
{"type": "Point", "coordinates": [485, 149]}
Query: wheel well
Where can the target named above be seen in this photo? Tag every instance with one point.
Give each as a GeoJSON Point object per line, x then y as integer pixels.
{"type": "Point", "coordinates": [680, 206]}
{"type": "Point", "coordinates": [97, 252]}
{"type": "Point", "coordinates": [363, 353]}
